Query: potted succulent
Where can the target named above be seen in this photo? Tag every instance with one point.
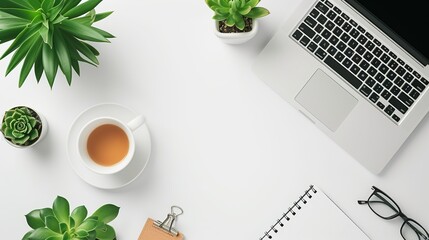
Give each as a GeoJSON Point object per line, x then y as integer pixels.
{"type": "Point", "coordinates": [57, 223]}
{"type": "Point", "coordinates": [236, 20]}
{"type": "Point", "coordinates": [49, 34]}
{"type": "Point", "coordinates": [23, 127]}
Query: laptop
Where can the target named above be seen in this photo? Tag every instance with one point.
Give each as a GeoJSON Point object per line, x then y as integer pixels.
{"type": "Point", "coordinates": [357, 69]}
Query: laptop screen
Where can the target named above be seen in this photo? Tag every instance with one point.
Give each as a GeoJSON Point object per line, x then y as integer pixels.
{"type": "Point", "coordinates": [406, 22]}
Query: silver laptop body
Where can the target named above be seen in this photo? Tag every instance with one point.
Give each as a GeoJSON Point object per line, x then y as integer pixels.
{"type": "Point", "coordinates": [370, 125]}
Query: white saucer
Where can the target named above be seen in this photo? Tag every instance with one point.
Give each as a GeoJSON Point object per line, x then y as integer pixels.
{"type": "Point", "coordinates": [135, 167]}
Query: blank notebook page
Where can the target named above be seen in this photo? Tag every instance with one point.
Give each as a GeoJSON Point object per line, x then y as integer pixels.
{"type": "Point", "coordinates": [319, 218]}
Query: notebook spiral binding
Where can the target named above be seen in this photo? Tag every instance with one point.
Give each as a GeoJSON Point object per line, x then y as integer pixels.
{"type": "Point", "coordinates": [290, 213]}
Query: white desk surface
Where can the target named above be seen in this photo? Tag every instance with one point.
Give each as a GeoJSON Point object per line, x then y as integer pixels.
{"type": "Point", "coordinates": [226, 148]}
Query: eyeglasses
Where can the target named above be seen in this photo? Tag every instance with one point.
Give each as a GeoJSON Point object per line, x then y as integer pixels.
{"type": "Point", "coordinates": [384, 206]}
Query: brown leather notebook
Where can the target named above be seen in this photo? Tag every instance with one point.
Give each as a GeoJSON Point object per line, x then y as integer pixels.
{"type": "Point", "coordinates": [151, 232]}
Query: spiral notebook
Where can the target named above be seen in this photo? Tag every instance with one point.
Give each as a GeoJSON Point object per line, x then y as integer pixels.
{"type": "Point", "coordinates": [314, 216]}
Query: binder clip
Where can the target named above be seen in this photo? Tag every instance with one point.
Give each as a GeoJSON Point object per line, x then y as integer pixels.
{"type": "Point", "coordinates": [167, 224]}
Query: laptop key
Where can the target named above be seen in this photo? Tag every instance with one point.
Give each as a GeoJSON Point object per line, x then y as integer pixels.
{"type": "Point", "coordinates": [386, 94]}
{"type": "Point", "coordinates": [362, 75]}
{"type": "Point", "coordinates": [331, 15]}
{"type": "Point", "coordinates": [332, 50]}
{"type": "Point", "coordinates": [391, 75]}
{"type": "Point", "coordinates": [345, 16]}
{"type": "Point", "coordinates": [418, 85]}
{"type": "Point", "coordinates": [334, 40]}
{"type": "Point", "coordinates": [380, 105]}
{"type": "Point", "coordinates": [365, 90]}
{"type": "Point", "coordinates": [408, 77]}
{"type": "Point", "coordinates": [399, 81]}
{"type": "Point", "coordinates": [317, 38]}
{"type": "Point", "coordinates": [393, 64]}
{"type": "Point", "coordinates": [341, 46]}
{"type": "Point", "coordinates": [329, 4]}
{"type": "Point", "coordinates": [406, 99]}
{"type": "Point", "coordinates": [318, 28]}
{"type": "Point", "coordinates": [312, 47]}
{"type": "Point", "coordinates": [378, 88]}
{"type": "Point", "coordinates": [356, 58]}
{"type": "Point", "coordinates": [389, 110]}
{"type": "Point", "coordinates": [337, 31]}
{"type": "Point", "coordinates": [385, 48]}
{"type": "Point", "coordinates": [307, 30]}
{"type": "Point", "coordinates": [322, 19]}
{"type": "Point", "coordinates": [340, 57]}
{"type": "Point", "coordinates": [374, 97]}
{"type": "Point", "coordinates": [379, 77]}
{"type": "Point", "coordinates": [361, 50]}
{"type": "Point", "coordinates": [368, 56]}
{"type": "Point", "coordinates": [383, 68]}
{"type": "Point", "coordinates": [347, 63]}
{"type": "Point", "coordinates": [375, 62]}
{"type": "Point", "coordinates": [361, 29]}
{"type": "Point", "coordinates": [355, 69]}
{"type": "Point", "coordinates": [406, 88]}
{"type": "Point", "coordinates": [400, 61]}
{"type": "Point", "coordinates": [353, 44]}
{"type": "Point", "coordinates": [349, 52]}
{"type": "Point", "coordinates": [322, 7]}
{"type": "Point", "coordinates": [310, 21]}
{"type": "Point", "coordinates": [320, 53]}
{"type": "Point", "coordinates": [337, 10]}
{"type": "Point", "coordinates": [396, 118]}
{"type": "Point", "coordinates": [345, 37]}
{"type": "Point", "coordinates": [339, 21]}
{"type": "Point", "coordinates": [326, 34]}
{"type": "Point", "coordinates": [378, 43]}
{"type": "Point", "coordinates": [353, 23]}
{"type": "Point", "coordinates": [364, 65]}
{"type": "Point", "coordinates": [304, 40]}
{"type": "Point", "coordinates": [414, 94]}
{"type": "Point", "coordinates": [398, 105]}
{"type": "Point", "coordinates": [354, 33]}
{"type": "Point", "coordinates": [392, 55]}
{"type": "Point", "coordinates": [400, 71]}
{"type": "Point", "coordinates": [372, 71]}
{"type": "Point", "coordinates": [417, 75]}
{"type": "Point", "coordinates": [347, 76]}
{"type": "Point", "coordinates": [370, 46]}
{"type": "Point", "coordinates": [329, 25]}
{"type": "Point", "coordinates": [387, 84]}
{"type": "Point", "coordinates": [370, 82]}
{"type": "Point", "coordinates": [314, 13]}
{"type": "Point", "coordinates": [408, 68]}
{"type": "Point", "coordinates": [369, 36]}
{"type": "Point", "coordinates": [395, 90]}
{"type": "Point", "coordinates": [297, 35]}
{"type": "Point", "coordinates": [426, 82]}
{"type": "Point", "coordinates": [346, 27]}
{"type": "Point", "coordinates": [324, 44]}
{"type": "Point", "coordinates": [362, 39]}
{"type": "Point", "coordinates": [385, 58]}
{"type": "Point", "coordinates": [377, 52]}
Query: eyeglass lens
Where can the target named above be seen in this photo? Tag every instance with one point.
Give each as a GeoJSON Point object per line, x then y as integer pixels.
{"type": "Point", "coordinates": [411, 230]}
{"type": "Point", "coordinates": [383, 206]}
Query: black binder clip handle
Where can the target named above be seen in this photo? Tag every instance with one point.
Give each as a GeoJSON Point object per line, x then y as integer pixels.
{"type": "Point", "coordinates": [167, 224]}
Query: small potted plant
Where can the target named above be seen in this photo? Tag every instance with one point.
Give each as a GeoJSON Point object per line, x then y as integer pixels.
{"type": "Point", "coordinates": [50, 34]}
{"type": "Point", "coordinates": [58, 223]}
{"type": "Point", "coordinates": [236, 20]}
{"type": "Point", "coordinates": [23, 127]}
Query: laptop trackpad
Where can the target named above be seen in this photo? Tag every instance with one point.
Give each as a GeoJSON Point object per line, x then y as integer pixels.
{"type": "Point", "coordinates": [326, 100]}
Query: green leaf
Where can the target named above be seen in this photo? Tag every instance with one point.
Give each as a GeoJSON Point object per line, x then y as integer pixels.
{"type": "Point", "coordinates": [59, 19]}
{"type": "Point", "coordinates": [64, 228]}
{"type": "Point", "coordinates": [93, 50]}
{"type": "Point", "coordinates": [82, 31]}
{"type": "Point", "coordinates": [46, 212]}
{"type": "Point", "coordinates": [252, 3]}
{"type": "Point", "coordinates": [47, 5]}
{"type": "Point", "coordinates": [55, 238]}
{"type": "Point", "coordinates": [105, 232]}
{"type": "Point", "coordinates": [258, 12]}
{"type": "Point", "coordinates": [34, 220]}
{"type": "Point", "coordinates": [42, 234]}
{"type": "Point", "coordinates": [38, 67]}
{"type": "Point", "coordinates": [30, 60]}
{"type": "Point", "coordinates": [53, 224]}
{"type": "Point", "coordinates": [61, 206]}
{"type": "Point", "coordinates": [239, 22]}
{"type": "Point", "coordinates": [55, 11]}
{"type": "Point", "coordinates": [19, 55]}
{"type": "Point", "coordinates": [219, 17]}
{"type": "Point", "coordinates": [69, 5]}
{"type": "Point", "coordinates": [10, 22]}
{"type": "Point", "coordinates": [25, 237]}
{"type": "Point", "coordinates": [101, 16]}
{"type": "Point", "coordinates": [106, 213]}
{"type": "Point", "coordinates": [21, 3]}
{"type": "Point", "coordinates": [82, 8]}
{"type": "Point", "coordinates": [245, 10]}
{"type": "Point", "coordinates": [35, 4]}
{"type": "Point", "coordinates": [81, 47]}
{"type": "Point", "coordinates": [88, 225]}
{"type": "Point", "coordinates": [103, 33]}
{"type": "Point", "coordinates": [79, 214]}
{"type": "Point", "coordinates": [82, 233]}
{"type": "Point", "coordinates": [50, 64]}
{"type": "Point", "coordinates": [9, 34]}
{"type": "Point", "coordinates": [21, 13]}
{"type": "Point", "coordinates": [19, 40]}
{"type": "Point", "coordinates": [63, 56]}
{"type": "Point", "coordinates": [230, 21]}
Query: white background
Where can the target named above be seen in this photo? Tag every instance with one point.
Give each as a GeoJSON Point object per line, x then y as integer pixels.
{"type": "Point", "coordinates": [226, 148]}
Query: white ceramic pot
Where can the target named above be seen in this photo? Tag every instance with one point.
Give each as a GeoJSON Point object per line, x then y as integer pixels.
{"type": "Point", "coordinates": [236, 38]}
{"type": "Point", "coordinates": [42, 134]}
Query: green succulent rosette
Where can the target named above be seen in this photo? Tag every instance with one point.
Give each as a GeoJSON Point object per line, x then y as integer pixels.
{"type": "Point", "coordinates": [20, 127]}
{"type": "Point", "coordinates": [233, 12]}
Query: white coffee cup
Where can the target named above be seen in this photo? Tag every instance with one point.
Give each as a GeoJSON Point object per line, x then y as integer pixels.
{"type": "Point", "coordinates": [128, 129]}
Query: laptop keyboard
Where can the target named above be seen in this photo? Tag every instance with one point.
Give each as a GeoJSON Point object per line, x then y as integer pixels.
{"type": "Point", "coordinates": [367, 65]}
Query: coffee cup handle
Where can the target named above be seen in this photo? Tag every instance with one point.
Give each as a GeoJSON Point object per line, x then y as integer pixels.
{"type": "Point", "coordinates": [136, 123]}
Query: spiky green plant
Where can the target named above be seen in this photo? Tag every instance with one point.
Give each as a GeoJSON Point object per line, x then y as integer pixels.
{"type": "Point", "coordinates": [49, 34]}
{"type": "Point", "coordinates": [233, 12]}
{"type": "Point", "coordinates": [57, 223]}
{"type": "Point", "coordinates": [20, 126]}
